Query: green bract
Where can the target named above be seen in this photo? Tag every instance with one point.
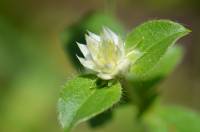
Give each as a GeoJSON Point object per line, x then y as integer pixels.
{"type": "Point", "coordinates": [84, 97]}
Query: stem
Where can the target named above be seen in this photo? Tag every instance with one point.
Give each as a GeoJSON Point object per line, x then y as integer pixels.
{"type": "Point", "coordinates": [141, 98]}
{"type": "Point", "coordinates": [129, 90]}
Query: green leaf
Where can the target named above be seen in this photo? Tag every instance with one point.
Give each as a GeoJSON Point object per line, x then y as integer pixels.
{"type": "Point", "coordinates": [164, 66]}
{"type": "Point", "coordinates": [152, 39]}
{"type": "Point", "coordinates": [173, 119]}
{"type": "Point", "coordinates": [167, 63]}
{"type": "Point", "coordinates": [81, 99]}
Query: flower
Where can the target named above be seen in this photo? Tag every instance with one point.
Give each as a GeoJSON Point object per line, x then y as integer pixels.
{"type": "Point", "coordinates": [105, 54]}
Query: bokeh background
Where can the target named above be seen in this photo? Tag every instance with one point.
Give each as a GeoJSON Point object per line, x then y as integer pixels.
{"type": "Point", "coordinates": [34, 65]}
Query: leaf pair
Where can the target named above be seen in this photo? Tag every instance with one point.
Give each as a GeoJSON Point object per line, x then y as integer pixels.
{"type": "Point", "coordinates": [82, 99]}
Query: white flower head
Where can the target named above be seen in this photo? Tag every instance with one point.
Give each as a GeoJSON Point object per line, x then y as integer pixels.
{"type": "Point", "coordinates": [105, 54]}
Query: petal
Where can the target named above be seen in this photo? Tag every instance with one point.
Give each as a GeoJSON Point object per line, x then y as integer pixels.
{"type": "Point", "coordinates": [92, 41]}
{"type": "Point", "coordinates": [106, 36]}
{"type": "Point", "coordinates": [84, 50]}
{"type": "Point", "coordinates": [93, 47]}
{"type": "Point", "coordinates": [105, 76]}
{"type": "Point", "coordinates": [86, 63]}
{"type": "Point", "coordinates": [94, 36]}
{"type": "Point", "coordinates": [110, 35]}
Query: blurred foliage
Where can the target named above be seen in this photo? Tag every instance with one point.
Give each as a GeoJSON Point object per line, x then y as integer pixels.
{"type": "Point", "coordinates": [173, 119]}
{"type": "Point", "coordinates": [28, 80]}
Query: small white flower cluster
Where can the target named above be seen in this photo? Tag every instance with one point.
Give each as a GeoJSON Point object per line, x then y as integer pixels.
{"type": "Point", "coordinates": [105, 54]}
